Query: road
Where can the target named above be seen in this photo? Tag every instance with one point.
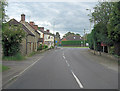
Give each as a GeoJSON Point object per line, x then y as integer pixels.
{"type": "Point", "coordinates": [67, 68]}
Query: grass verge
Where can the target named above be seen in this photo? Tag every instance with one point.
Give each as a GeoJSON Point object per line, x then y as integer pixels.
{"type": "Point", "coordinates": [31, 54]}
{"type": "Point", "coordinates": [3, 68]}
{"type": "Point", "coordinates": [17, 57]}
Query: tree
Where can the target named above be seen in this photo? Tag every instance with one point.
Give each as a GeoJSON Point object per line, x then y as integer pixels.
{"type": "Point", "coordinates": [101, 16]}
{"type": "Point", "coordinates": [70, 33]}
{"type": "Point", "coordinates": [57, 35]}
{"type": "Point", "coordinates": [11, 39]}
{"type": "Point", "coordinates": [113, 27]}
{"type": "Point", "coordinates": [3, 15]}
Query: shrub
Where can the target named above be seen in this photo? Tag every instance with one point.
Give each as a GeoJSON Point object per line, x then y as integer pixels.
{"type": "Point", "coordinates": [11, 39]}
{"type": "Point", "coordinates": [18, 56]}
{"type": "Point", "coordinates": [112, 50]}
{"type": "Point", "coordinates": [40, 47]}
{"type": "Point", "coordinates": [52, 47]}
{"type": "Point", "coordinates": [45, 47]}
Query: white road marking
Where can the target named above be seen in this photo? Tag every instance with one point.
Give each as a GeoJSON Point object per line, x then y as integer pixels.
{"type": "Point", "coordinates": [67, 63]}
{"type": "Point", "coordinates": [78, 81]}
{"type": "Point", "coordinates": [64, 57]}
{"type": "Point", "coordinates": [22, 71]}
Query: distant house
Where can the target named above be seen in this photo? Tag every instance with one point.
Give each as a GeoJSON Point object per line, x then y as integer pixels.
{"type": "Point", "coordinates": [72, 40]}
{"type": "Point", "coordinates": [41, 31]}
{"type": "Point", "coordinates": [48, 38]}
{"type": "Point", "coordinates": [29, 37]}
{"type": "Point", "coordinates": [37, 33]}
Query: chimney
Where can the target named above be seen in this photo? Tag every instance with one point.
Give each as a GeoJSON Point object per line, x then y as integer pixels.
{"type": "Point", "coordinates": [48, 30]}
{"type": "Point", "coordinates": [32, 23]}
{"type": "Point", "coordinates": [22, 17]}
{"type": "Point", "coordinates": [36, 27]}
{"type": "Point", "coordinates": [42, 28]}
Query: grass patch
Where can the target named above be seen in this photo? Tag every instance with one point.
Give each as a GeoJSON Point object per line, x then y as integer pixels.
{"type": "Point", "coordinates": [17, 57]}
{"type": "Point", "coordinates": [31, 54]}
{"type": "Point", "coordinates": [3, 68]}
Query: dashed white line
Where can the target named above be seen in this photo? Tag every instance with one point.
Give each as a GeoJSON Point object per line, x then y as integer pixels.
{"type": "Point", "coordinates": [67, 63]}
{"type": "Point", "coordinates": [78, 81]}
{"type": "Point", "coordinates": [64, 57]}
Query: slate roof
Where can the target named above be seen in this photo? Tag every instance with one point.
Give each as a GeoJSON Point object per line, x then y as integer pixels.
{"type": "Point", "coordinates": [73, 37]}
{"type": "Point", "coordinates": [45, 32]}
{"type": "Point", "coordinates": [33, 28]}
{"type": "Point", "coordinates": [15, 22]}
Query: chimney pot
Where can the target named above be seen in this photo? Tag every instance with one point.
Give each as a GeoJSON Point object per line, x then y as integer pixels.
{"type": "Point", "coordinates": [36, 27]}
{"type": "Point", "coordinates": [22, 17]}
{"type": "Point", "coordinates": [42, 28]}
{"type": "Point", "coordinates": [48, 30]}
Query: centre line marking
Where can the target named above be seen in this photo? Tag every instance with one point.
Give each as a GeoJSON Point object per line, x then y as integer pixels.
{"type": "Point", "coordinates": [64, 57]}
{"type": "Point", "coordinates": [78, 81]}
{"type": "Point", "coordinates": [67, 63]}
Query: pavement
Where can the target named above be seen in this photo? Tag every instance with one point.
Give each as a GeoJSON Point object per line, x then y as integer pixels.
{"type": "Point", "coordinates": [66, 68]}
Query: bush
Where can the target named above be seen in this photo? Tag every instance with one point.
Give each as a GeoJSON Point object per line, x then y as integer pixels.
{"type": "Point", "coordinates": [11, 39]}
{"type": "Point", "coordinates": [45, 47]}
{"type": "Point", "coordinates": [112, 50]}
{"type": "Point", "coordinates": [18, 56]}
{"type": "Point", "coordinates": [52, 47]}
{"type": "Point", "coordinates": [40, 47]}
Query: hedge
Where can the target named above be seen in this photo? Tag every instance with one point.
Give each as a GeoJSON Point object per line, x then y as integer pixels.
{"type": "Point", "coordinates": [72, 43]}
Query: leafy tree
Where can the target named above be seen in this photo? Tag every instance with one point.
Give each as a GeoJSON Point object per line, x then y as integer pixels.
{"type": "Point", "coordinates": [101, 16]}
{"type": "Point", "coordinates": [70, 33]}
{"type": "Point", "coordinates": [11, 39]}
{"type": "Point", "coordinates": [3, 15]}
{"type": "Point", "coordinates": [57, 35]}
{"type": "Point", "coordinates": [114, 27]}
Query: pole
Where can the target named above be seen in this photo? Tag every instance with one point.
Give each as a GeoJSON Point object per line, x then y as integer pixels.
{"type": "Point", "coordinates": [53, 31]}
{"type": "Point", "coordinates": [94, 40]}
{"type": "Point", "coordinates": [84, 37]}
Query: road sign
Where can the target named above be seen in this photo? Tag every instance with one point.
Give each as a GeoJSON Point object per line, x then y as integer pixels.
{"type": "Point", "coordinates": [56, 41]}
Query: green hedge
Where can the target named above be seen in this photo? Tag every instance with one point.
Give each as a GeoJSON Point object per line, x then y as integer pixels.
{"type": "Point", "coordinates": [72, 43]}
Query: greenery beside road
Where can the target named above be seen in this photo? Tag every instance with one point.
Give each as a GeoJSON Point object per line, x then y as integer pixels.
{"type": "Point", "coordinates": [106, 19]}
{"type": "Point", "coordinates": [17, 57]}
{"type": "Point", "coordinates": [3, 68]}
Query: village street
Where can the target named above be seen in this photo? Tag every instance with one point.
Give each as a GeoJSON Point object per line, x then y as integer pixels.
{"type": "Point", "coordinates": [68, 68]}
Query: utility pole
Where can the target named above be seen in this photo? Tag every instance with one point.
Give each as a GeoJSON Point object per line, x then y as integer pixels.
{"type": "Point", "coordinates": [53, 31]}
{"type": "Point", "coordinates": [84, 37]}
{"type": "Point", "coordinates": [90, 30]}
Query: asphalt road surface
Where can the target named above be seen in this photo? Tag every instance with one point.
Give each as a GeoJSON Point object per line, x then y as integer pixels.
{"type": "Point", "coordinates": [67, 68]}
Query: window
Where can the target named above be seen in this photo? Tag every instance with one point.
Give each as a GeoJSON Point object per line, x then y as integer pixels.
{"type": "Point", "coordinates": [49, 37]}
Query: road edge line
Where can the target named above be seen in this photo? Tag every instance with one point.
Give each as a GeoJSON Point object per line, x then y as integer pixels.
{"type": "Point", "coordinates": [78, 81]}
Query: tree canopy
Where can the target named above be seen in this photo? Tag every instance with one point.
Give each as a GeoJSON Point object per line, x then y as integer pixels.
{"type": "Point", "coordinates": [106, 17]}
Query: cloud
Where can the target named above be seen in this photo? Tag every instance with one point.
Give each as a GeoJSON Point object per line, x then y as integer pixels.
{"type": "Point", "coordinates": [58, 16]}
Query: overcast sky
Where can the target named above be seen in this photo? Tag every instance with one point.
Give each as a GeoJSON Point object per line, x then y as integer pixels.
{"type": "Point", "coordinates": [58, 16]}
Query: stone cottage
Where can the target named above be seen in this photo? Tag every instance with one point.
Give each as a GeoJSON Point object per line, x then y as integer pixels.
{"type": "Point", "coordinates": [26, 47]}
